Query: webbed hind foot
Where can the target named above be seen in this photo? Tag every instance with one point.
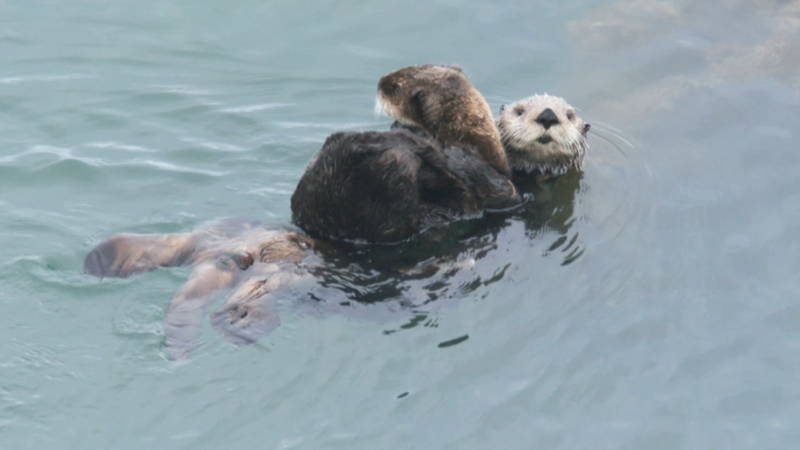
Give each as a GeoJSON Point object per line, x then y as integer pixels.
{"type": "Point", "coordinates": [125, 254]}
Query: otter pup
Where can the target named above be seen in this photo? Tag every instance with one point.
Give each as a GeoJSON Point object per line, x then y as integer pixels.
{"type": "Point", "coordinates": [542, 135]}
{"type": "Point", "coordinates": [251, 259]}
{"type": "Point", "coordinates": [444, 103]}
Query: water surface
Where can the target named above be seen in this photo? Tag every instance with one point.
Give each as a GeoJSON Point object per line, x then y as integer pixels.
{"type": "Point", "coordinates": [649, 303]}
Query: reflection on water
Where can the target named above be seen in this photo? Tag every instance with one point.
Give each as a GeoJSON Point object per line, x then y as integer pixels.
{"type": "Point", "coordinates": [451, 262]}
{"type": "Point", "coordinates": [454, 260]}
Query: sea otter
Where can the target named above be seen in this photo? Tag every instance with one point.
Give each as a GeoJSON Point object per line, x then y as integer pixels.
{"type": "Point", "coordinates": [431, 168]}
{"type": "Point", "coordinates": [375, 186]}
{"type": "Point", "coordinates": [245, 256]}
{"type": "Point", "coordinates": [538, 135]}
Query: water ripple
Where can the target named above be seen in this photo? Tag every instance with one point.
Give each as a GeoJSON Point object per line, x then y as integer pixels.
{"type": "Point", "coordinates": [120, 146]}
{"type": "Point", "coordinates": [167, 167]}
{"type": "Point", "coordinates": [254, 108]}
{"type": "Point", "coordinates": [218, 146]}
{"type": "Point", "coordinates": [44, 78]}
{"type": "Point", "coordinates": [43, 164]}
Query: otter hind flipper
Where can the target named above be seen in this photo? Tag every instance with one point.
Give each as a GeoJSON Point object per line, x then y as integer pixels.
{"type": "Point", "coordinates": [249, 312]}
{"type": "Point", "coordinates": [183, 324]}
{"type": "Point", "coordinates": [125, 254]}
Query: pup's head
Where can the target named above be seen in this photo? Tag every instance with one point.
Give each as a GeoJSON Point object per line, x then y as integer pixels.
{"type": "Point", "coordinates": [407, 94]}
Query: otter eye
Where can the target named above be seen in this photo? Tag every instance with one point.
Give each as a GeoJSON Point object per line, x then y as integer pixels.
{"type": "Point", "coordinates": [519, 110]}
{"type": "Point", "coordinates": [571, 115]}
{"type": "Point", "coordinates": [388, 87]}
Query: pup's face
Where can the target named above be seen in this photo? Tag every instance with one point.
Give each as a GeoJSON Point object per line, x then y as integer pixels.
{"type": "Point", "coordinates": [542, 134]}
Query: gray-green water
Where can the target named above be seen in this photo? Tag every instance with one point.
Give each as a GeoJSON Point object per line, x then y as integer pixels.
{"type": "Point", "coordinates": [653, 304]}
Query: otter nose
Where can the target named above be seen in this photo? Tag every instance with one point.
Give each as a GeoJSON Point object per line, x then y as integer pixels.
{"type": "Point", "coordinates": [547, 118]}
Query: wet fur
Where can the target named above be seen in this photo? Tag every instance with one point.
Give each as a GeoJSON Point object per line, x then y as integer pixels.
{"type": "Point", "coordinates": [389, 186]}
{"type": "Point", "coordinates": [252, 260]}
{"type": "Point", "coordinates": [374, 186]}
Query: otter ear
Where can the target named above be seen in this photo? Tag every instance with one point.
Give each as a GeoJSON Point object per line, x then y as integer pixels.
{"type": "Point", "coordinates": [417, 103]}
{"type": "Point", "coordinates": [502, 108]}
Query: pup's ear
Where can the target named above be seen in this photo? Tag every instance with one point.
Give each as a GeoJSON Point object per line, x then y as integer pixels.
{"type": "Point", "coordinates": [418, 106]}
{"type": "Point", "coordinates": [502, 108]}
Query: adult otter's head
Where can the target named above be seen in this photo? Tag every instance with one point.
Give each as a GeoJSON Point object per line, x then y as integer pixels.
{"type": "Point", "coordinates": [542, 135]}
{"type": "Point", "coordinates": [443, 102]}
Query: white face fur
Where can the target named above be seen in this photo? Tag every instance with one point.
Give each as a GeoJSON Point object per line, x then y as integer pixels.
{"type": "Point", "coordinates": [384, 107]}
{"type": "Point", "coordinates": [538, 141]}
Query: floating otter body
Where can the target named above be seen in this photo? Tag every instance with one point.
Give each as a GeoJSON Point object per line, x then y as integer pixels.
{"type": "Point", "coordinates": [388, 186]}
{"type": "Point", "coordinates": [440, 163]}
{"type": "Point", "coordinates": [443, 160]}
{"type": "Point", "coordinates": [244, 256]}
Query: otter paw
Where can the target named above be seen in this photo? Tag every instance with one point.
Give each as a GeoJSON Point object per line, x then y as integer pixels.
{"type": "Point", "coordinates": [245, 322]}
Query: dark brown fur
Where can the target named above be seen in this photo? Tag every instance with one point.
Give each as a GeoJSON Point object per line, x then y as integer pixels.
{"type": "Point", "coordinates": [388, 186]}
